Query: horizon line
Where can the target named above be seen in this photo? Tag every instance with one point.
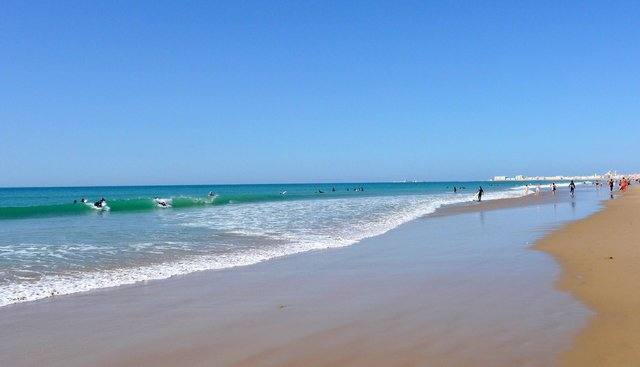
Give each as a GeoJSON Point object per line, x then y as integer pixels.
{"type": "Point", "coordinates": [262, 183]}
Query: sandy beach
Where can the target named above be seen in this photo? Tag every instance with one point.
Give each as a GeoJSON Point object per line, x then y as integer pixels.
{"type": "Point", "coordinates": [599, 257]}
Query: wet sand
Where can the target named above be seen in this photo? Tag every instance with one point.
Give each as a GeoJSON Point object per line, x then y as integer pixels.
{"type": "Point", "coordinates": [544, 197]}
{"type": "Point", "coordinates": [448, 290]}
{"type": "Point", "coordinates": [600, 258]}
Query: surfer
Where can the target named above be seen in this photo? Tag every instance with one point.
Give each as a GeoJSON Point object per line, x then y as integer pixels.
{"type": "Point", "coordinates": [211, 193]}
{"type": "Point", "coordinates": [480, 192]}
{"type": "Point", "coordinates": [99, 203]}
{"type": "Point", "coordinates": [572, 187]}
{"type": "Point", "coordinates": [83, 200]}
{"type": "Point", "coordinates": [160, 202]}
{"type": "Point", "coordinates": [455, 190]}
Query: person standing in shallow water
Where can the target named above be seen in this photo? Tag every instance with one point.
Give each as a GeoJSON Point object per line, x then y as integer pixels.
{"type": "Point", "coordinates": [553, 188]}
{"type": "Point", "coordinates": [480, 192]}
{"type": "Point", "coordinates": [611, 184]}
{"type": "Point", "coordinates": [572, 188]}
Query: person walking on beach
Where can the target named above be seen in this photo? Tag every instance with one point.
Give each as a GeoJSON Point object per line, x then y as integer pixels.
{"type": "Point", "coordinates": [480, 192]}
{"type": "Point", "coordinates": [553, 188]}
{"type": "Point", "coordinates": [611, 184]}
{"type": "Point", "coordinates": [572, 187]}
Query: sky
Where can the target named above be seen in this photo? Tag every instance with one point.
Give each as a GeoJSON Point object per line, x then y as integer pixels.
{"type": "Point", "coordinates": [189, 92]}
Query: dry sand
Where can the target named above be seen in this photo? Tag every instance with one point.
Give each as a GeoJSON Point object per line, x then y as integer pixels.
{"type": "Point", "coordinates": [600, 258]}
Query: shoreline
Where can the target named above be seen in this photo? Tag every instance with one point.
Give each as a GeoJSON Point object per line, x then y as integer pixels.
{"type": "Point", "coordinates": [426, 291]}
{"type": "Point", "coordinates": [599, 257]}
{"type": "Point", "coordinates": [104, 280]}
{"type": "Point", "coordinates": [545, 197]}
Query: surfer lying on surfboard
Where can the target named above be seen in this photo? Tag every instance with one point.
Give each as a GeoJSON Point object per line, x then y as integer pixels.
{"type": "Point", "coordinates": [162, 203]}
{"type": "Point", "coordinates": [98, 205]}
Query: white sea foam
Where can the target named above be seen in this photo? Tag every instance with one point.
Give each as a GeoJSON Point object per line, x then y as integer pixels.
{"type": "Point", "coordinates": [548, 185]}
{"type": "Point", "coordinates": [288, 227]}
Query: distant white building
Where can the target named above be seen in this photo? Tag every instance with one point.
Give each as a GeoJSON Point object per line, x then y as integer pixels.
{"type": "Point", "coordinates": [611, 174]}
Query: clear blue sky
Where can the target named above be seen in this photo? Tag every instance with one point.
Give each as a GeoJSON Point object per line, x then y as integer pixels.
{"type": "Point", "coordinates": [173, 92]}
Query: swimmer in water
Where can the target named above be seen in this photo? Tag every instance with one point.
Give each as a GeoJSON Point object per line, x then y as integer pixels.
{"type": "Point", "coordinates": [211, 193]}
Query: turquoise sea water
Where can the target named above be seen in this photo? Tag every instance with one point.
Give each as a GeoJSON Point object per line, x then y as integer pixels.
{"type": "Point", "coordinates": [50, 245]}
{"type": "Point", "coordinates": [57, 201]}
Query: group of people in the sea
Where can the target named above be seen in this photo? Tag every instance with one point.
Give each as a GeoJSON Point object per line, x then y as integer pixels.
{"type": "Point", "coordinates": [161, 202]}
{"type": "Point", "coordinates": [479, 193]}
{"type": "Point", "coordinates": [333, 189]}
{"type": "Point", "coordinates": [98, 204]}
{"type": "Point", "coordinates": [456, 189]}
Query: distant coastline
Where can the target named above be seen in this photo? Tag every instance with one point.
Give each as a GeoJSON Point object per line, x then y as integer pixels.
{"type": "Point", "coordinates": [594, 177]}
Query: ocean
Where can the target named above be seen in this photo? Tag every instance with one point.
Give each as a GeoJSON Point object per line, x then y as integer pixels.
{"type": "Point", "coordinates": [51, 245]}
